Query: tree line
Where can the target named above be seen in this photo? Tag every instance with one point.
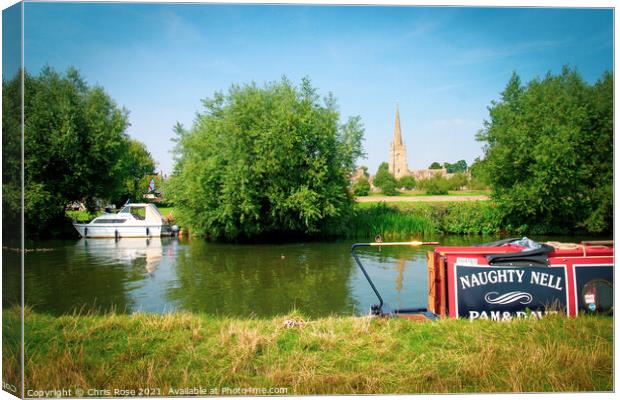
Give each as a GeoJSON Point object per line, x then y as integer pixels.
{"type": "Point", "coordinates": [276, 160]}
{"type": "Point", "coordinates": [75, 149]}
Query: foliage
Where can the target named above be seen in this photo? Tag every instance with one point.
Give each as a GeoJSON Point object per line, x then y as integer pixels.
{"type": "Point", "coordinates": [457, 181]}
{"type": "Point", "coordinates": [459, 166]}
{"type": "Point", "coordinates": [361, 187]}
{"type": "Point", "coordinates": [382, 175]}
{"type": "Point", "coordinates": [135, 168]}
{"type": "Point", "coordinates": [11, 160]}
{"type": "Point", "coordinates": [385, 180]}
{"type": "Point", "coordinates": [436, 185]}
{"type": "Point", "coordinates": [435, 165]}
{"type": "Point", "coordinates": [400, 220]}
{"type": "Point", "coordinates": [387, 221]}
{"type": "Point", "coordinates": [407, 182]}
{"type": "Point", "coordinates": [549, 153]}
{"type": "Point", "coordinates": [74, 144]}
{"type": "Point", "coordinates": [389, 187]}
{"type": "Point", "coordinates": [478, 179]}
{"type": "Point", "coordinates": [265, 161]}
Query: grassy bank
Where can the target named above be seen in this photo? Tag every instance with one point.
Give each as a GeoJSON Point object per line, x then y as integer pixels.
{"type": "Point", "coordinates": [329, 355]}
{"type": "Point", "coordinates": [399, 220]}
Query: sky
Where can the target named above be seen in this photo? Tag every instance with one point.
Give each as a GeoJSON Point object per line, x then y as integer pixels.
{"type": "Point", "coordinates": [443, 66]}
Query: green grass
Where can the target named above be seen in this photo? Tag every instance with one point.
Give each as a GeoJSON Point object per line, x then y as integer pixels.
{"type": "Point", "coordinates": [402, 219]}
{"type": "Point", "coordinates": [333, 355]}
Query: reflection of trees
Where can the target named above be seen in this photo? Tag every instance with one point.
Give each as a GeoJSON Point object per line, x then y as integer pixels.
{"type": "Point", "coordinates": [263, 279]}
{"type": "Point", "coordinates": [91, 274]}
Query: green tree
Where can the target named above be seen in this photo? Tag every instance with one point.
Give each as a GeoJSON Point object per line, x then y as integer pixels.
{"type": "Point", "coordinates": [435, 165]}
{"type": "Point", "coordinates": [459, 166]}
{"type": "Point", "coordinates": [549, 153]}
{"type": "Point", "coordinates": [407, 182]}
{"type": "Point", "coordinates": [73, 142]}
{"type": "Point", "coordinates": [268, 160]}
{"type": "Point", "coordinates": [385, 181]}
{"type": "Point", "coordinates": [134, 170]}
{"type": "Point", "coordinates": [361, 187]}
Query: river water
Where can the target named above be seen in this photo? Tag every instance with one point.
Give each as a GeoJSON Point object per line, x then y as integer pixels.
{"type": "Point", "coordinates": [168, 274]}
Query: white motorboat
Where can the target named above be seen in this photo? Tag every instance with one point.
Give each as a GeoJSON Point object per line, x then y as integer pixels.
{"type": "Point", "coordinates": [133, 220]}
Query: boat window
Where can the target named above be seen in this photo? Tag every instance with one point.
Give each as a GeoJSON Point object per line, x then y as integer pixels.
{"type": "Point", "coordinates": [126, 210]}
{"type": "Point", "coordinates": [108, 221]}
{"type": "Point", "coordinates": [138, 213]}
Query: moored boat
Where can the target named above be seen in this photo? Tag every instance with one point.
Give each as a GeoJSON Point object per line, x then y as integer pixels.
{"type": "Point", "coordinates": [512, 278]}
{"type": "Point", "coordinates": [133, 220]}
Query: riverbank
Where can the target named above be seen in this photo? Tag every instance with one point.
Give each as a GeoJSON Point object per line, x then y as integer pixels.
{"type": "Point", "coordinates": [335, 355]}
{"type": "Point", "coordinates": [401, 220]}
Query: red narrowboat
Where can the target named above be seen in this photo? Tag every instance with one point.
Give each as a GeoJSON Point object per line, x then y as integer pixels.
{"type": "Point", "coordinates": [511, 278]}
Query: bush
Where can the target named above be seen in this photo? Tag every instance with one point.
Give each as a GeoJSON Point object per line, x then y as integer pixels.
{"type": "Point", "coordinates": [389, 187]}
{"type": "Point", "coordinates": [437, 185]}
{"type": "Point", "coordinates": [361, 187]}
{"type": "Point", "coordinates": [407, 182]}
{"type": "Point", "coordinates": [265, 161]}
{"type": "Point", "coordinates": [457, 181]}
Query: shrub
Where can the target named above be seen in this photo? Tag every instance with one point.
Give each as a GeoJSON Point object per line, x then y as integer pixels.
{"type": "Point", "coordinates": [407, 182]}
{"type": "Point", "coordinates": [437, 185]}
{"type": "Point", "coordinates": [361, 187]}
{"type": "Point", "coordinates": [389, 187]}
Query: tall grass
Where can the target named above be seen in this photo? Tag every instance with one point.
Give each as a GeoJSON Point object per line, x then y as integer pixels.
{"type": "Point", "coordinates": [334, 355]}
{"type": "Point", "coordinates": [389, 222]}
{"type": "Point", "coordinates": [402, 220]}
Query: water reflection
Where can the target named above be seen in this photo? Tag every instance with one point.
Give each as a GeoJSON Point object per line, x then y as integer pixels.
{"type": "Point", "coordinates": [130, 251]}
{"type": "Point", "coordinates": [165, 274]}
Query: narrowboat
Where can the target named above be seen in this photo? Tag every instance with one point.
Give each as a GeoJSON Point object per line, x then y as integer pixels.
{"type": "Point", "coordinates": [511, 278]}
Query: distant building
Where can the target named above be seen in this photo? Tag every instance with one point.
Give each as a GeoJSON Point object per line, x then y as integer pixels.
{"type": "Point", "coordinates": [398, 157]}
{"type": "Point", "coordinates": [398, 152]}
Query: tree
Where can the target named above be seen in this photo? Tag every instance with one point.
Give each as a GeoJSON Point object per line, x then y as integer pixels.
{"type": "Point", "coordinates": [407, 182]}
{"type": "Point", "coordinates": [361, 187]}
{"type": "Point", "coordinates": [74, 140]}
{"type": "Point", "coordinates": [135, 169]}
{"type": "Point", "coordinates": [549, 153]}
{"type": "Point", "coordinates": [269, 160]}
{"type": "Point", "coordinates": [435, 165]}
{"type": "Point", "coordinates": [385, 181]}
{"type": "Point", "coordinates": [459, 166]}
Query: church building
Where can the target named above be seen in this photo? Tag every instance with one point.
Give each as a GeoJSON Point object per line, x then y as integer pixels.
{"type": "Point", "coordinates": [398, 152]}
{"type": "Point", "coordinates": [397, 160]}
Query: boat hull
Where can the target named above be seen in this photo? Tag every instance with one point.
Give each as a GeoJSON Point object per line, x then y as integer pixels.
{"type": "Point", "coordinates": [102, 231]}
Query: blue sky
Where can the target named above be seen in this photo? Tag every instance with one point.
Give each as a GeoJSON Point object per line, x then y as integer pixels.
{"type": "Point", "coordinates": [443, 66]}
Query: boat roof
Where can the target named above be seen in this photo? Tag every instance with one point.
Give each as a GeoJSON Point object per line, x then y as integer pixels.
{"type": "Point", "coordinates": [138, 205]}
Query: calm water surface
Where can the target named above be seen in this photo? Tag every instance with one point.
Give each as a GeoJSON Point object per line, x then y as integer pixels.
{"type": "Point", "coordinates": [167, 274]}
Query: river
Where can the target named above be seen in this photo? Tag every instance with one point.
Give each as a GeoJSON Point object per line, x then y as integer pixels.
{"type": "Point", "coordinates": [261, 280]}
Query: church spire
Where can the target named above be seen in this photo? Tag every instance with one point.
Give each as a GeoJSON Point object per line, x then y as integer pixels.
{"type": "Point", "coordinates": [398, 139]}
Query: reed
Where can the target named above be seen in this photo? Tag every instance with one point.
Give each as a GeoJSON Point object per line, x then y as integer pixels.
{"type": "Point", "coordinates": [389, 222]}
{"type": "Point", "coordinates": [332, 355]}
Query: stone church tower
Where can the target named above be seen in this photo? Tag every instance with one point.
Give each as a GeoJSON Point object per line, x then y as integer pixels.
{"type": "Point", "coordinates": [398, 152]}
